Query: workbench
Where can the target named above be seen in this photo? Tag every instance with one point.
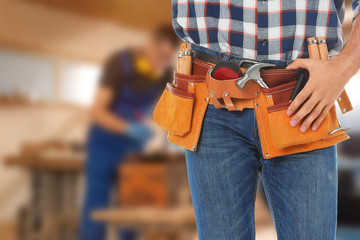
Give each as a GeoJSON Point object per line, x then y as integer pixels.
{"type": "Point", "coordinates": [52, 212]}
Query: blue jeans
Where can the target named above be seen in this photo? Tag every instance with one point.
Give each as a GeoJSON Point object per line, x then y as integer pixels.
{"type": "Point", "coordinates": [301, 189]}
{"type": "Point", "coordinates": [105, 152]}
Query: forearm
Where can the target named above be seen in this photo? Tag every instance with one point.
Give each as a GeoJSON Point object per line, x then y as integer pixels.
{"type": "Point", "coordinates": [349, 57]}
{"type": "Point", "coordinates": [109, 121]}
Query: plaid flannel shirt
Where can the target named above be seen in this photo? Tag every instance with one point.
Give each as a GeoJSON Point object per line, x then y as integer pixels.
{"type": "Point", "coordinates": [261, 29]}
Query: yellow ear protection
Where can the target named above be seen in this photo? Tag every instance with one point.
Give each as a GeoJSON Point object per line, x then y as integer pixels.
{"type": "Point", "coordinates": [143, 66]}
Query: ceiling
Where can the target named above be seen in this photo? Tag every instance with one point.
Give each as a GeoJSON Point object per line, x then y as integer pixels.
{"type": "Point", "coordinates": [142, 14]}
{"type": "Point", "coordinates": [39, 26]}
{"type": "Point", "coordinates": [48, 31]}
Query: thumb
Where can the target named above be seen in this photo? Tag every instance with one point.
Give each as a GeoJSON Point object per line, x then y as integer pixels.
{"type": "Point", "coordinates": [298, 63]}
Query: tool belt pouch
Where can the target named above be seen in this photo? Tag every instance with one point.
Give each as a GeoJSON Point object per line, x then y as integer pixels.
{"type": "Point", "coordinates": [181, 108]}
{"type": "Point", "coordinates": [174, 110]}
{"type": "Point", "coordinates": [276, 135]}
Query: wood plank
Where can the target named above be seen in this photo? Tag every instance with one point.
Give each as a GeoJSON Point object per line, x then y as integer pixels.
{"type": "Point", "coordinates": [49, 164]}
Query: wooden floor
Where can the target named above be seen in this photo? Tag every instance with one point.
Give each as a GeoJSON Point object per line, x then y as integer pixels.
{"type": "Point", "coordinates": [264, 226]}
{"type": "Point", "coordinates": [7, 231]}
{"type": "Point", "coordinates": [265, 232]}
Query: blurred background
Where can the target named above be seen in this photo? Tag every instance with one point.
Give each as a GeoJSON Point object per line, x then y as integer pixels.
{"type": "Point", "coordinates": [52, 55]}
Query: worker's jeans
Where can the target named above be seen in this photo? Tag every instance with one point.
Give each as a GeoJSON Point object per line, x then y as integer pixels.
{"type": "Point", "coordinates": [105, 152]}
{"type": "Point", "coordinates": [301, 189]}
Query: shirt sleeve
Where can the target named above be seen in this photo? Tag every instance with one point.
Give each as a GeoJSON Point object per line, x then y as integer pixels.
{"type": "Point", "coordinates": [112, 76]}
{"type": "Point", "coordinates": [356, 8]}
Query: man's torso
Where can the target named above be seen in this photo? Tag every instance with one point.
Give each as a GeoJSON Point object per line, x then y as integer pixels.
{"type": "Point", "coordinates": [264, 29]}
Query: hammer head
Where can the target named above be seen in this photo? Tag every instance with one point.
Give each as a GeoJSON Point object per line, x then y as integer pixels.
{"type": "Point", "coordinates": [253, 73]}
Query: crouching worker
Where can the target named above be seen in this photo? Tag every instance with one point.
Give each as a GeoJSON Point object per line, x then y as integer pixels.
{"type": "Point", "coordinates": [132, 81]}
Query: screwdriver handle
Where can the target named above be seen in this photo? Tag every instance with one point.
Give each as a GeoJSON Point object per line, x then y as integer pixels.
{"type": "Point", "coordinates": [298, 87]}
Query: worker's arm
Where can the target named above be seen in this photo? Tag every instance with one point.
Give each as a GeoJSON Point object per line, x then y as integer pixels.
{"type": "Point", "coordinates": [326, 82]}
{"type": "Point", "coordinates": [110, 83]}
{"type": "Point", "coordinates": [101, 114]}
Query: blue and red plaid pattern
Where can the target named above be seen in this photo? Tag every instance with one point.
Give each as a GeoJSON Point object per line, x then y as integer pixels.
{"type": "Point", "coordinates": [260, 29]}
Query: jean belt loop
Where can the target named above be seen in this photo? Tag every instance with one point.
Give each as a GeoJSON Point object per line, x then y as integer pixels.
{"type": "Point", "coordinates": [226, 57]}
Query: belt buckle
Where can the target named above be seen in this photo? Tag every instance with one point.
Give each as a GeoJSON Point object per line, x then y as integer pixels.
{"type": "Point", "coordinates": [247, 61]}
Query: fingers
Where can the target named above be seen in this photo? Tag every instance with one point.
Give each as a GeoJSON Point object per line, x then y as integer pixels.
{"type": "Point", "coordinates": [299, 100]}
{"type": "Point", "coordinates": [311, 105]}
{"type": "Point", "coordinates": [305, 92]}
{"type": "Point", "coordinates": [299, 63]}
{"type": "Point", "coordinates": [314, 114]}
{"type": "Point", "coordinates": [320, 118]}
{"type": "Point", "coordinates": [306, 110]}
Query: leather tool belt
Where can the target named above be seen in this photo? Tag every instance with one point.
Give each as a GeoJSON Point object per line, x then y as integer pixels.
{"type": "Point", "coordinates": [182, 107]}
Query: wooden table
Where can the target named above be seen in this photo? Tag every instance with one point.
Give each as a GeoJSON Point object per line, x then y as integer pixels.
{"type": "Point", "coordinates": [52, 212]}
{"type": "Point", "coordinates": [59, 163]}
{"type": "Point", "coordinates": [180, 220]}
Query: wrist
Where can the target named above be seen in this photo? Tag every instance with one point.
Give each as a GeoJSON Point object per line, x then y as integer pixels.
{"type": "Point", "coordinates": [123, 127]}
{"type": "Point", "coordinates": [346, 68]}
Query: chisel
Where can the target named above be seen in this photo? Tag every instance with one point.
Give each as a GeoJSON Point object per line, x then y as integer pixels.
{"type": "Point", "coordinates": [313, 48]}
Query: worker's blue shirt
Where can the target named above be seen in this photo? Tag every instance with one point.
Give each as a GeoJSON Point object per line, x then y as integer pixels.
{"type": "Point", "coordinates": [135, 93]}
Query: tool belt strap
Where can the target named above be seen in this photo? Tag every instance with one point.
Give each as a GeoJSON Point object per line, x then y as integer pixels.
{"type": "Point", "coordinates": [226, 94]}
{"type": "Point", "coordinates": [223, 93]}
{"type": "Point", "coordinates": [344, 102]}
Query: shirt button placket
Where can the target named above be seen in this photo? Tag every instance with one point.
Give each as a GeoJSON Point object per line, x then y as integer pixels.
{"type": "Point", "coordinates": [262, 42]}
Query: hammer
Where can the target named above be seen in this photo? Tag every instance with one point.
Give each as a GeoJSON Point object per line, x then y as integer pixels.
{"type": "Point", "coordinates": [253, 73]}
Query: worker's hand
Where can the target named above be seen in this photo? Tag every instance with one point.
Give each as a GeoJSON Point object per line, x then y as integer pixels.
{"type": "Point", "coordinates": [139, 132]}
{"type": "Point", "coordinates": [327, 79]}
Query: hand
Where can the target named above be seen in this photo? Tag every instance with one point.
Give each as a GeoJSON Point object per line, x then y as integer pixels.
{"type": "Point", "coordinates": [139, 132]}
{"type": "Point", "coordinates": [327, 79]}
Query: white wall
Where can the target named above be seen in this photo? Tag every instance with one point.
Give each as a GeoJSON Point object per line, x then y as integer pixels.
{"type": "Point", "coordinates": [79, 83]}
{"type": "Point", "coordinates": [31, 124]}
{"type": "Point", "coordinates": [26, 74]}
